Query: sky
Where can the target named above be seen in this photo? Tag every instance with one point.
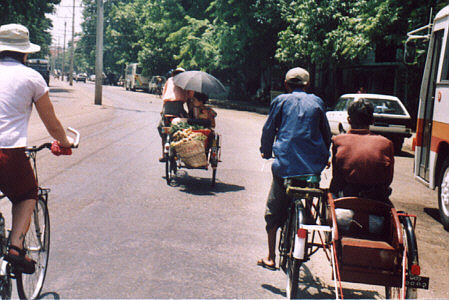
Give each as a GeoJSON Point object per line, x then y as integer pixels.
{"type": "Point", "coordinates": [63, 13]}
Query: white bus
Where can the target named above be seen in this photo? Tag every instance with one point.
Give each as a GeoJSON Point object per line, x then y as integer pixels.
{"type": "Point", "coordinates": [134, 78]}
{"type": "Point", "coordinates": [432, 130]}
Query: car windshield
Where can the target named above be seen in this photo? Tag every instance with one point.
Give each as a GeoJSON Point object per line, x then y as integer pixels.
{"type": "Point", "coordinates": [386, 106]}
{"type": "Point", "coordinates": [38, 67]}
{"type": "Point", "coordinates": [341, 104]}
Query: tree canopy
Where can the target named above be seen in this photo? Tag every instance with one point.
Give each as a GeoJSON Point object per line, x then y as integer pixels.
{"type": "Point", "coordinates": [245, 41]}
{"type": "Point", "coordinates": [248, 44]}
{"type": "Point", "coordinates": [32, 15]}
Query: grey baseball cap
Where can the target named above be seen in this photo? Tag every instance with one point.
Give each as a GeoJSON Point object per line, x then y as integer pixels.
{"type": "Point", "coordinates": [297, 76]}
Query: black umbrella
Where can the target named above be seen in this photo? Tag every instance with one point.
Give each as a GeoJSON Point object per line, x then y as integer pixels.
{"type": "Point", "coordinates": [200, 82]}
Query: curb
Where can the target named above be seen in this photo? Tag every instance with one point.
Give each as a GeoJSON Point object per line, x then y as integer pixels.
{"type": "Point", "coordinates": [239, 105]}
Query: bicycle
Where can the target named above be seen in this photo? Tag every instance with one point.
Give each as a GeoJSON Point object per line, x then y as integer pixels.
{"type": "Point", "coordinates": [307, 211]}
{"type": "Point", "coordinates": [36, 241]}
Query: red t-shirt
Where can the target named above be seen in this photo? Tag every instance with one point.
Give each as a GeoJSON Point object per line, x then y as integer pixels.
{"type": "Point", "coordinates": [361, 158]}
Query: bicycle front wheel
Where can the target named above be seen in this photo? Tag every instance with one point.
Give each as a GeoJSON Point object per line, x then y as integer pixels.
{"type": "Point", "coordinates": [37, 246]}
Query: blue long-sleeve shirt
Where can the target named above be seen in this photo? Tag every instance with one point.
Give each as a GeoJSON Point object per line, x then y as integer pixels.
{"type": "Point", "coordinates": [297, 132]}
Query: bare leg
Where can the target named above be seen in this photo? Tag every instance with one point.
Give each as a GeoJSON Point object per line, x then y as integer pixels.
{"type": "Point", "coordinates": [21, 216]}
{"type": "Point", "coordinates": [272, 246]}
{"type": "Point", "coordinates": [270, 259]}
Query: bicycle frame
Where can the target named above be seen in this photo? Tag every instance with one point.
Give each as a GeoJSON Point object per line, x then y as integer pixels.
{"type": "Point", "coordinates": [307, 218]}
{"type": "Point", "coordinates": [310, 205]}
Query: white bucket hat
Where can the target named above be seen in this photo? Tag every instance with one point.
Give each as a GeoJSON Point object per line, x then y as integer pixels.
{"type": "Point", "coordinates": [15, 37]}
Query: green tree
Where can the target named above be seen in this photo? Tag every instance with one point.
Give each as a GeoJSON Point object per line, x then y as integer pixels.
{"type": "Point", "coordinates": [332, 30]}
{"type": "Point", "coordinates": [159, 19]}
{"type": "Point", "coordinates": [245, 34]}
{"type": "Point", "coordinates": [32, 15]}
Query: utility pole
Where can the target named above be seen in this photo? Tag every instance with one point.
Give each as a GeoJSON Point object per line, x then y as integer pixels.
{"type": "Point", "coordinates": [73, 45]}
{"type": "Point", "coordinates": [99, 54]}
{"type": "Point", "coordinates": [63, 52]}
{"type": "Point", "coordinates": [58, 51]}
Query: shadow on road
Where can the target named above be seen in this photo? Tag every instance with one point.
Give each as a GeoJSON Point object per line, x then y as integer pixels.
{"type": "Point", "coordinates": [405, 154]}
{"type": "Point", "coordinates": [60, 90]}
{"type": "Point", "coordinates": [434, 213]}
{"type": "Point", "coordinates": [202, 186]}
{"type": "Point", "coordinates": [313, 287]}
{"type": "Point", "coordinates": [50, 295]}
{"type": "Point", "coordinates": [274, 290]}
{"type": "Point", "coordinates": [124, 108]}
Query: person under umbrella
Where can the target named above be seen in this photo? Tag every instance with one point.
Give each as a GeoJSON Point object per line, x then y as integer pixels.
{"type": "Point", "coordinates": [173, 98]}
{"type": "Point", "coordinates": [200, 111]}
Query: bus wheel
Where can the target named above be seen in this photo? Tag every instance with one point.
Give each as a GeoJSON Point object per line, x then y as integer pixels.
{"type": "Point", "coordinates": [443, 195]}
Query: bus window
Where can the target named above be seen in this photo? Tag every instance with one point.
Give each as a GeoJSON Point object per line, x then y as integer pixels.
{"type": "Point", "coordinates": [445, 68]}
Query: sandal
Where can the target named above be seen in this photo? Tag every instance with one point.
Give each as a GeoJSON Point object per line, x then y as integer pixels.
{"type": "Point", "coordinates": [261, 262]}
{"type": "Point", "coordinates": [20, 263]}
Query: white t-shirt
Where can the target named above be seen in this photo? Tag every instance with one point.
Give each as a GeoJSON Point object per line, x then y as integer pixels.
{"type": "Point", "coordinates": [20, 86]}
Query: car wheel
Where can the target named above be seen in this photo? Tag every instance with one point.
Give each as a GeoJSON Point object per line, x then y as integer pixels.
{"type": "Point", "coordinates": [398, 145]}
{"type": "Point", "coordinates": [443, 195]}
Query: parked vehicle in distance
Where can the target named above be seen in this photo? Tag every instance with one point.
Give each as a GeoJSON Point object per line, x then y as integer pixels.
{"type": "Point", "coordinates": [156, 84]}
{"type": "Point", "coordinates": [391, 118]}
{"type": "Point", "coordinates": [41, 65]}
{"type": "Point", "coordinates": [121, 81]}
{"type": "Point", "coordinates": [92, 77]}
{"type": "Point", "coordinates": [134, 78]}
{"type": "Point", "coordinates": [81, 77]}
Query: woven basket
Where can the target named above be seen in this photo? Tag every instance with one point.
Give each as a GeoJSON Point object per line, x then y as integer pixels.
{"type": "Point", "coordinates": [192, 154]}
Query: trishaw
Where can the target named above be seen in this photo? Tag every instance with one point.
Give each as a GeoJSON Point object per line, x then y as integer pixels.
{"type": "Point", "coordinates": [174, 160]}
{"type": "Point", "coordinates": [366, 241]}
{"type": "Point", "coordinates": [200, 156]}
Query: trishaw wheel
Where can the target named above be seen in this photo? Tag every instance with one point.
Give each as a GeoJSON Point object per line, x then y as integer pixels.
{"type": "Point", "coordinates": [170, 169]}
{"type": "Point", "coordinates": [167, 169]}
{"type": "Point", "coordinates": [412, 258]}
{"type": "Point", "coordinates": [214, 175]}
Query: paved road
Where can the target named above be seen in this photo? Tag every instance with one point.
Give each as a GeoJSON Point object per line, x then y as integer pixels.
{"type": "Point", "coordinates": [119, 231]}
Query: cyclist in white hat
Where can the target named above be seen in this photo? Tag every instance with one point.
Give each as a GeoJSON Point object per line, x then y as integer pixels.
{"type": "Point", "coordinates": [20, 88]}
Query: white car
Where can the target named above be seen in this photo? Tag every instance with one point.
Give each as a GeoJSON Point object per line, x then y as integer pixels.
{"type": "Point", "coordinates": [391, 118]}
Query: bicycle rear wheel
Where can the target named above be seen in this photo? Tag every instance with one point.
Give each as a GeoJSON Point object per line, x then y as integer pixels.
{"type": "Point", "coordinates": [170, 169]}
{"type": "Point", "coordinates": [293, 264]}
{"type": "Point", "coordinates": [37, 246]}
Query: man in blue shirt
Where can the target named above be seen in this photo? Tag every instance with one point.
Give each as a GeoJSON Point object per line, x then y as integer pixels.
{"type": "Point", "coordinates": [297, 132]}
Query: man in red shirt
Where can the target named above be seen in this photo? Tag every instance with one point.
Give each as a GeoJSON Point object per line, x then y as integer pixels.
{"type": "Point", "coordinates": [362, 162]}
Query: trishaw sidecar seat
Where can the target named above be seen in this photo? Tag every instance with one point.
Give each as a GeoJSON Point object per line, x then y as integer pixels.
{"type": "Point", "coordinates": [371, 243]}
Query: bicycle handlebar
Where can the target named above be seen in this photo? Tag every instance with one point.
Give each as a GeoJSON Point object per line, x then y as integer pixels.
{"type": "Point", "coordinates": [77, 137]}
{"type": "Point", "coordinates": [48, 145]}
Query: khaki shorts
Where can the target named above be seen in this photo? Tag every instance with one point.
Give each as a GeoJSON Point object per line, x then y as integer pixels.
{"type": "Point", "coordinates": [277, 204]}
